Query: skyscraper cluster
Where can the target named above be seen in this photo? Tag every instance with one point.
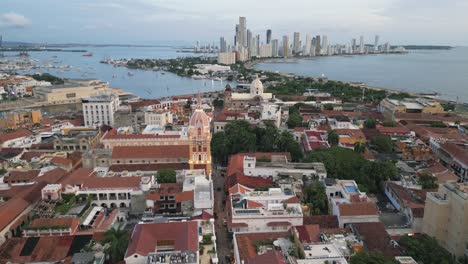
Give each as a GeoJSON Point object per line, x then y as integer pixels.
{"type": "Point", "coordinates": [248, 45]}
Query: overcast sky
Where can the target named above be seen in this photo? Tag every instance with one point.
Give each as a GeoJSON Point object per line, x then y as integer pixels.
{"type": "Point", "coordinates": [164, 21]}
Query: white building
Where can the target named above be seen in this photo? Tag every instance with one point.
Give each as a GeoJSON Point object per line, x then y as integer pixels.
{"type": "Point", "coordinates": [207, 68]}
{"type": "Point", "coordinates": [158, 118]}
{"type": "Point", "coordinates": [227, 58]}
{"type": "Point", "coordinates": [279, 165]}
{"type": "Point", "coordinates": [100, 109]}
{"type": "Point", "coordinates": [271, 112]}
{"type": "Point", "coordinates": [274, 210]}
{"type": "Point", "coordinates": [256, 91]}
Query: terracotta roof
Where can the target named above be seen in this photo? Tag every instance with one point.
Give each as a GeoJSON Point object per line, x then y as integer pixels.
{"type": "Point", "coordinates": [52, 176]}
{"type": "Point", "coordinates": [457, 152]}
{"type": "Point", "coordinates": [113, 135]}
{"type": "Point", "coordinates": [60, 161]}
{"type": "Point", "coordinates": [375, 237]}
{"type": "Point", "coordinates": [357, 209]}
{"type": "Point", "coordinates": [253, 204]}
{"type": "Point", "coordinates": [111, 182]}
{"type": "Point", "coordinates": [247, 181]}
{"type": "Point", "coordinates": [292, 200]}
{"type": "Point", "coordinates": [63, 247]}
{"type": "Point", "coordinates": [78, 176]}
{"type": "Point", "coordinates": [442, 174]}
{"type": "Point", "coordinates": [144, 103]}
{"type": "Point", "coordinates": [181, 235]}
{"type": "Point", "coordinates": [430, 117]}
{"type": "Point", "coordinates": [246, 243]}
{"type": "Point", "coordinates": [11, 209]}
{"type": "Point", "coordinates": [184, 196]}
{"type": "Point", "coordinates": [71, 222]}
{"type": "Point", "coordinates": [22, 176]}
{"type": "Point", "coordinates": [148, 167]}
{"type": "Point", "coordinates": [357, 133]}
{"type": "Point", "coordinates": [150, 152]}
{"type": "Point", "coordinates": [397, 130]}
{"type": "Point", "coordinates": [411, 198]}
{"type": "Point", "coordinates": [165, 189]}
{"type": "Point", "coordinates": [308, 233]}
{"type": "Point", "coordinates": [204, 216]}
{"type": "Point", "coordinates": [27, 156]}
{"type": "Point", "coordinates": [270, 257]}
{"type": "Point", "coordinates": [14, 135]}
{"type": "Point", "coordinates": [324, 221]}
{"type": "Point", "coordinates": [239, 188]}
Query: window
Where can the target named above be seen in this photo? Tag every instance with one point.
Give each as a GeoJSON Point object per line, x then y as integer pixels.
{"type": "Point", "coordinates": [171, 206]}
{"type": "Point", "coordinates": [199, 148]}
{"type": "Point", "coordinates": [199, 157]}
{"type": "Point", "coordinates": [171, 198]}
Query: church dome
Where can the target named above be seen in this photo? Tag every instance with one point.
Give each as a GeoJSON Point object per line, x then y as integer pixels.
{"type": "Point", "coordinates": [199, 118]}
{"type": "Point", "coordinates": [256, 87]}
{"type": "Point", "coordinates": [228, 88]}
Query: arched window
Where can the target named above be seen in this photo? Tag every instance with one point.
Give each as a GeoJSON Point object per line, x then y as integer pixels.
{"type": "Point", "coordinates": [199, 132]}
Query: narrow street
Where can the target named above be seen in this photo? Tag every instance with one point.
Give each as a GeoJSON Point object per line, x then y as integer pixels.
{"type": "Point", "coordinates": [224, 243]}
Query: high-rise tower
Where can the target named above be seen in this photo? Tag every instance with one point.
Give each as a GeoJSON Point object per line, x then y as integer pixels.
{"type": "Point", "coordinates": [268, 36]}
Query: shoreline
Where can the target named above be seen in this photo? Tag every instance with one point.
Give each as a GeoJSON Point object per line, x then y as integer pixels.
{"type": "Point", "coordinates": [250, 65]}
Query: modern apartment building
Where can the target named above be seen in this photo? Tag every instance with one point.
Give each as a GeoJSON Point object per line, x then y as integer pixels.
{"type": "Point", "coordinates": [99, 110]}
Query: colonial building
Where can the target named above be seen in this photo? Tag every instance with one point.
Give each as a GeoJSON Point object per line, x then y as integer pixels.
{"type": "Point", "coordinates": [240, 100]}
{"type": "Point", "coordinates": [199, 140]}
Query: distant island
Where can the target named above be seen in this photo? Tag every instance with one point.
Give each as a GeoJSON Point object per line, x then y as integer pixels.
{"type": "Point", "coordinates": [426, 47]}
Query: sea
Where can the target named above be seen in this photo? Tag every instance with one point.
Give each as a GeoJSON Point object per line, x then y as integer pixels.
{"type": "Point", "coordinates": [420, 71]}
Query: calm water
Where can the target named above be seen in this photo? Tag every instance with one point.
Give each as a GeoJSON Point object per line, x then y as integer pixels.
{"type": "Point", "coordinates": [146, 84]}
{"type": "Point", "coordinates": [442, 71]}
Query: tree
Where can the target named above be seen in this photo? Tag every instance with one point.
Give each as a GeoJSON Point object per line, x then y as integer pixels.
{"type": "Point", "coordinates": [370, 123]}
{"type": "Point", "coordinates": [294, 120]}
{"type": "Point", "coordinates": [359, 147]}
{"type": "Point", "coordinates": [316, 197]}
{"type": "Point", "coordinates": [218, 103]}
{"type": "Point", "coordinates": [365, 257]}
{"type": "Point", "coordinates": [425, 249]}
{"type": "Point", "coordinates": [219, 148]}
{"type": "Point", "coordinates": [389, 124]}
{"type": "Point", "coordinates": [118, 239]}
{"type": "Point", "coordinates": [343, 163]}
{"type": "Point", "coordinates": [288, 144]}
{"type": "Point", "coordinates": [328, 107]}
{"type": "Point", "coordinates": [166, 176]}
{"type": "Point", "coordinates": [382, 143]}
{"type": "Point", "coordinates": [333, 138]}
{"type": "Point", "coordinates": [427, 181]}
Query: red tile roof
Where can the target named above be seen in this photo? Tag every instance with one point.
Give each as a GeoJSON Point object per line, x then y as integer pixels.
{"type": "Point", "coordinates": [308, 233]}
{"type": "Point", "coordinates": [60, 161]}
{"type": "Point", "coordinates": [457, 152]}
{"type": "Point", "coordinates": [324, 221]}
{"type": "Point", "coordinates": [181, 235]}
{"type": "Point", "coordinates": [22, 176]}
{"type": "Point", "coordinates": [113, 135]}
{"type": "Point", "coordinates": [14, 135]}
{"type": "Point", "coordinates": [357, 209]}
{"type": "Point", "coordinates": [71, 222]}
{"type": "Point", "coordinates": [27, 156]}
{"type": "Point", "coordinates": [397, 130]}
{"type": "Point", "coordinates": [253, 204]}
{"type": "Point", "coordinates": [184, 196]}
{"type": "Point", "coordinates": [239, 189]}
{"type": "Point", "coordinates": [78, 176]}
{"type": "Point", "coordinates": [246, 243]}
{"type": "Point", "coordinates": [270, 257]}
{"type": "Point", "coordinates": [247, 181]}
{"type": "Point", "coordinates": [111, 182]}
{"type": "Point", "coordinates": [281, 223]}
{"type": "Point", "coordinates": [442, 174]}
{"type": "Point", "coordinates": [150, 152]}
{"type": "Point", "coordinates": [292, 200]}
{"type": "Point", "coordinates": [375, 237]}
{"type": "Point", "coordinates": [148, 167]}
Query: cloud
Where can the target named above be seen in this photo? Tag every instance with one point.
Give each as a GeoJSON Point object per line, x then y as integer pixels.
{"type": "Point", "coordinates": [14, 20]}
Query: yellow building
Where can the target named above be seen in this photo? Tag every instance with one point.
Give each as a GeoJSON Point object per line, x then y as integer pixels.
{"type": "Point", "coordinates": [446, 217]}
{"type": "Point", "coordinates": [199, 140]}
{"type": "Point", "coordinates": [15, 119]}
{"type": "Point", "coordinates": [410, 105]}
{"type": "Point", "coordinates": [73, 91]}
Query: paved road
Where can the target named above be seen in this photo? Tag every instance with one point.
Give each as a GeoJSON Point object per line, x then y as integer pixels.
{"type": "Point", "coordinates": [224, 243]}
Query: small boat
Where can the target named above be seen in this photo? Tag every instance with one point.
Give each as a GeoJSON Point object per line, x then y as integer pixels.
{"type": "Point", "coordinates": [130, 74]}
{"type": "Point", "coordinates": [87, 55]}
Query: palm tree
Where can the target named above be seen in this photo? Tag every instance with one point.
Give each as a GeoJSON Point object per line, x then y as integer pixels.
{"type": "Point", "coordinates": [359, 147]}
{"type": "Point", "coordinates": [118, 239]}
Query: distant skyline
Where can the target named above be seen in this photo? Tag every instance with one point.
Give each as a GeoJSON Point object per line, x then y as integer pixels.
{"type": "Point", "coordinates": [431, 22]}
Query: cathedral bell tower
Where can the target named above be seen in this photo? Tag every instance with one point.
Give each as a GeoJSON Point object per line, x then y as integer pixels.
{"type": "Point", "coordinates": [200, 139]}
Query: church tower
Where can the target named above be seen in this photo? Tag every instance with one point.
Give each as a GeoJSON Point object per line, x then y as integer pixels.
{"type": "Point", "coordinates": [256, 88]}
{"type": "Point", "coordinates": [200, 139]}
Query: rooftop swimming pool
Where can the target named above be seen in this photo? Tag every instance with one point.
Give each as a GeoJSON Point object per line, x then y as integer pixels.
{"type": "Point", "coordinates": [351, 189]}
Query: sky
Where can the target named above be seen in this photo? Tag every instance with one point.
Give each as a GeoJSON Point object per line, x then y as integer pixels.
{"type": "Point", "coordinates": [435, 22]}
